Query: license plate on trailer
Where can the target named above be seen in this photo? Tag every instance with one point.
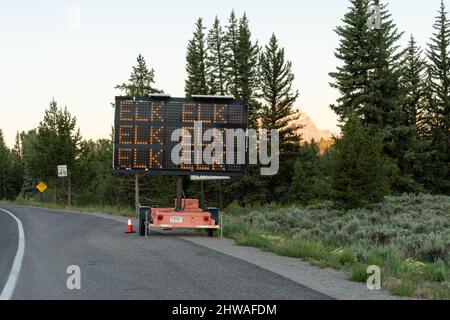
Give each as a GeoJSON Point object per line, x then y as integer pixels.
{"type": "Point", "coordinates": [176, 219]}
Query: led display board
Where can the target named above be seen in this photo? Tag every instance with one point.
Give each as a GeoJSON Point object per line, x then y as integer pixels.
{"type": "Point", "coordinates": [143, 130]}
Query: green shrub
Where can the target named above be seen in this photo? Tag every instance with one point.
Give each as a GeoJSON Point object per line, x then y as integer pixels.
{"type": "Point", "coordinates": [234, 228]}
{"type": "Point", "coordinates": [254, 239]}
{"type": "Point", "coordinates": [375, 258]}
{"type": "Point", "coordinates": [433, 248]}
{"type": "Point", "coordinates": [299, 248]}
{"type": "Point", "coordinates": [437, 271]}
{"type": "Point", "coordinates": [358, 273]}
{"type": "Point", "coordinates": [347, 257]}
{"type": "Point", "coordinates": [395, 263]}
{"type": "Point", "coordinates": [404, 289]}
{"type": "Point", "coordinates": [233, 208]}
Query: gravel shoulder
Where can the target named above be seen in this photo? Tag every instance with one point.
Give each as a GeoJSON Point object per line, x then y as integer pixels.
{"type": "Point", "coordinates": [331, 282]}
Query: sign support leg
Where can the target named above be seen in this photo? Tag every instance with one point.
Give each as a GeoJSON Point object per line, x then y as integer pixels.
{"type": "Point", "coordinates": [203, 206]}
{"type": "Point", "coordinates": [220, 195]}
{"type": "Point", "coordinates": [179, 206]}
{"type": "Point", "coordinates": [69, 196]}
{"type": "Point", "coordinates": [136, 193]}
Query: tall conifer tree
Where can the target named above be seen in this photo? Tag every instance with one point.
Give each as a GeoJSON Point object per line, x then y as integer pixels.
{"type": "Point", "coordinates": [196, 66]}
{"type": "Point", "coordinates": [231, 46]}
{"type": "Point", "coordinates": [414, 98]}
{"type": "Point", "coordinates": [276, 78]}
{"type": "Point", "coordinates": [359, 169]}
{"type": "Point", "coordinates": [141, 80]}
{"type": "Point", "coordinates": [413, 85]}
{"type": "Point", "coordinates": [368, 80]}
{"type": "Point", "coordinates": [278, 112]}
{"type": "Point", "coordinates": [438, 108]}
{"type": "Point", "coordinates": [247, 64]}
{"type": "Point", "coordinates": [216, 59]}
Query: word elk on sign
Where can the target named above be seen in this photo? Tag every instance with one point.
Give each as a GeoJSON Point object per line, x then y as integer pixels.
{"type": "Point", "coordinates": [213, 153]}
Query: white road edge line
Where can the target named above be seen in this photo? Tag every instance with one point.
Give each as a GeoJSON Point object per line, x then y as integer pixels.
{"type": "Point", "coordinates": [10, 285]}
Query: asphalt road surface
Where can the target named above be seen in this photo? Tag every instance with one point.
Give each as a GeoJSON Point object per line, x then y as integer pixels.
{"type": "Point", "coordinates": [114, 265]}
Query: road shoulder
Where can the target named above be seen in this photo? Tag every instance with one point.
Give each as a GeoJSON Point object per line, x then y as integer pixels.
{"type": "Point", "coordinates": [330, 282]}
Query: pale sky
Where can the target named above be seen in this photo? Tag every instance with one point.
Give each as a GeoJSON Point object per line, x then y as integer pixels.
{"type": "Point", "coordinates": [43, 54]}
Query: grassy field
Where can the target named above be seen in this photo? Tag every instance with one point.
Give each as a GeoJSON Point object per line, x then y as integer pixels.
{"type": "Point", "coordinates": [408, 237]}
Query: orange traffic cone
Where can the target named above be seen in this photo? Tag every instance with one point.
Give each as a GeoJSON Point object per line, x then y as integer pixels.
{"type": "Point", "coordinates": [129, 226]}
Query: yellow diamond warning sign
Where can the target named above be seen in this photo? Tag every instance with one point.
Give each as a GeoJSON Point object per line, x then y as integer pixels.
{"type": "Point", "coordinates": [41, 187]}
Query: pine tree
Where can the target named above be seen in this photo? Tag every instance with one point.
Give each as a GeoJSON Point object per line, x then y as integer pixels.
{"type": "Point", "coordinates": [55, 142]}
{"type": "Point", "coordinates": [439, 106]}
{"type": "Point", "coordinates": [196, 66]}
{"type": "Point", "coordinates": [248, 71]}
{"type": "Point", "coordinates": [10, 171]}
{"type": "Point", "coordinates": [216, 59]}
{"type": "Point", "coordinates": [305, 186]}
{"type": "Point", "coordinates": [431, 106]}
{"type": "Point", "coordinates": [232, 49]}
{"type": "Point", "coordinates": [29, 140]}
{"type": "Point", "coordinates": [359, 169]}
{"type": "Point", "coordinates": [369, 82]}
{"type": "Point", "coordinates": [385, 99]}
{"type": "Point", "coordinates": [278, 95]}
{"type": "Point", "coordinates": [351, 79]}
{"type": "Point", "coordinates": [276, 78]}
{"type": "Point", "coordinates": [439, 55]}
{"type": "Point", "coordinates": [368, 77]}
{"type": "Point", "coordinates": [413, 84]}
{"type": "Point", "coordinates": [141, 80]}
{"type": "Point", "coordinates": [18, 149]}
{"type": "Point", "coordinates": [242, 65]}
{"type": "Point", "coordinates": [241, 78]}
{"type": "Point", "coordinates": [17, 167]}
{"type": "Point", "coordinates": [5, 165]}
{"type": "Point", "coordinates": [383, 92]}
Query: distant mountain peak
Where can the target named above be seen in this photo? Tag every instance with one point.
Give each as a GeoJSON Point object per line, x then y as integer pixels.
{"type": "Point", "coordinates": [310, 130]}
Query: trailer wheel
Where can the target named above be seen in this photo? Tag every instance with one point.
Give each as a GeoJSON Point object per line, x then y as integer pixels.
{"type": "Point", "coordinates": [142, 227]}
{"type": "Point", "coordinates": [210, 232]}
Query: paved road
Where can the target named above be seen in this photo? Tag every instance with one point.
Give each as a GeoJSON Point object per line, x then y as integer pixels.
{"type": "Point", "coordinates": [118, 266]}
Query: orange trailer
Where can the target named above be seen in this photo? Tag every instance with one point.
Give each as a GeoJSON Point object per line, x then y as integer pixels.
{"type": "Point", "coordinates": [190, 216]}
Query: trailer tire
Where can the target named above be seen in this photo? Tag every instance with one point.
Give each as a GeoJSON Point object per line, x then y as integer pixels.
{"type": "Point", "coordinates": [142, 227]}
{"type": "Point", "coordinates": [210, 232]}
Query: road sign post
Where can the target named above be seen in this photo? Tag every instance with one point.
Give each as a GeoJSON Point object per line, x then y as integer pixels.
{"type": "Point", "coordinates": [62, 171]}
{"type": "Point", "coordinates": [64, 174]}
{"type": "Point", "coordinates": [69, 198]}
{"type": "Point", "coordinates": [41, 186]}
{"type": "Point", "coordinates": [136, 193]}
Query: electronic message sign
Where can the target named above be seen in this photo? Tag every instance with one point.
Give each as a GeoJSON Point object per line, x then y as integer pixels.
{"type": "Point", "coordinates": [144, 127]}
